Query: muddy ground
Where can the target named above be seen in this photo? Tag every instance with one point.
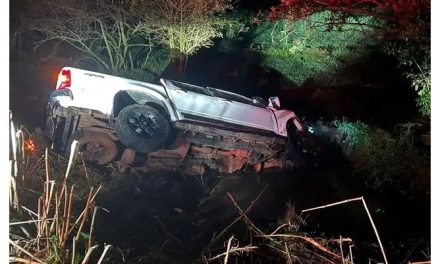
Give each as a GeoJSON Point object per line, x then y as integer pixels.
{"type": "Point", "coordinates": [171, 218]}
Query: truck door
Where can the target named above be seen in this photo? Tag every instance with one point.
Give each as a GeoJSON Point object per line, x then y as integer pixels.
{"type": "Point", "coordinates": [194, 102]}
{"type": "Point", "coordinates": [238, 110]}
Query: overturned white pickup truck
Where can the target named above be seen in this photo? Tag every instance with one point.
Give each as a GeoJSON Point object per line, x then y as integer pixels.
{"type": "Point", "coordinates": [174, 125]}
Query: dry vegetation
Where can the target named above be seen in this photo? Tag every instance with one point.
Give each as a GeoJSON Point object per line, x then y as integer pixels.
{"type": "Point", "coordinates": [286, 243]}
{"type": "Point", "coordinates": [50, 221]}
{"type": "Point", "coordinates": [53, 211]}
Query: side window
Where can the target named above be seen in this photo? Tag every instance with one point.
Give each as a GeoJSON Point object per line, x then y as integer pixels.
{"type": "Point", "coordinates": [231, 96]}
{"type": "Point", "coordinates": [193, 88]}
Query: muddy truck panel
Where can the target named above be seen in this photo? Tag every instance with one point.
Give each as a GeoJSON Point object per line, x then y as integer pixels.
{"type": "Point", "coordinates": [172, 124]}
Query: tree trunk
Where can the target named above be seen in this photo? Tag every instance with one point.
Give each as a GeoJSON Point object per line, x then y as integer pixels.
{"type": "Point", "coordinates": [180, 64]}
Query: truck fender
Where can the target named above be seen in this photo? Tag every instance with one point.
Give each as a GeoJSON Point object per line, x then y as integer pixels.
{"type": "Point", "coordinates": [283, 117]}
{"type": "Point", "coordinates": [147, 97]}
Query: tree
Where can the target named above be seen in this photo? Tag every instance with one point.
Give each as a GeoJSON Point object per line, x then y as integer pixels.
{"type": "Point", "coordinates": [114, 35]}
{"type": "Point", "coordinates": [405, 24]}
{"type": "Point", "coordinates": [123, 36]}
{"type": "Point", "coordinates": [406, 18]}
{"type": "Point", "coordinates": [312, 51]}
{"type": "Point", "coordinates": [185, 26]}
{"type": "Point", "coordinates": [415, 63]}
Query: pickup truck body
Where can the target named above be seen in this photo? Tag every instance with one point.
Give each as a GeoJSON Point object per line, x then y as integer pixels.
{"type": "Point", "coordinates": [204, 122]}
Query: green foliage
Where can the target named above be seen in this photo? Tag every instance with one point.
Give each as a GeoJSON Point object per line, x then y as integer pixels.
{"type": "Point", "coordinates": [78, 258]}
{"type": "Point", "coordinates": [415, 62]}
{"type": "Point", "coordinates": [189, 38]}
{"type": "Point", "coordinates": [313, 49]}
{"type": "Point", "coordinates": [54, 255]}
{"type": "Point", "coordinates": [185, 26]}
{"type": "Point", "coordinates": [384, 159]}
{"type": "Point", "coordinates": [421, 82]}
{"type": "Point", "coordinates": [154, 64]}
{"type": "Point", "coordinates": [84, 237]}
{"type": "Point", "coordinates": [422, 85]}
{"type": "Point", "coordinates": [158, 60]}
{"type": "Point", "coordinates": [236, 26]}
{"type": "Point", "coordinates": [356, 133]}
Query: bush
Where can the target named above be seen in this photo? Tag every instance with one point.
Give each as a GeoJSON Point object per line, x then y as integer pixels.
{"type": "Point", "coordinates": [236, 26]}
{"type": "Point", "coordinates": [384, 159]}
{"type": "Point", "coordinates": [313, 49]}
{"type": "Point", "coordinates": [415, 62]}
{"type": "Point", "coordinates": [424, 100]}
{"type": "Point", "coordinates": [421, 82]}
{"type": "Point", "coordinates": [154, 65]}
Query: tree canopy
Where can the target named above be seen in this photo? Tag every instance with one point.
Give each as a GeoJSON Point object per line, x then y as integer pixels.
{"type": "Point", "coordinates": [405, 18]}
{"type": "Point", "coordinates": [403, 25]}
{"type": "Point", "coordinates": [128, 37]}
{"type": "Point", "coordinates": [185, 26]}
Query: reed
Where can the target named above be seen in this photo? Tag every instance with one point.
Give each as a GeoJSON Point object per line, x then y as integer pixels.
{"type": "Point", "coordinates": [285, 244]}
{"type": "Point", "coordinates": [57, 226]}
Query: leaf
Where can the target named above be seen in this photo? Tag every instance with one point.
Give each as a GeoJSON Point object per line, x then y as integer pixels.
{"type": "Point", "coordinates": [83, 236]}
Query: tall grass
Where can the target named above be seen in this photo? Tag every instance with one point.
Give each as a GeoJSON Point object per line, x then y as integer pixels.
{"type": "Point", "coordinates": [383, 159]}
{"type": "Point", "coordinates": [44, 227]}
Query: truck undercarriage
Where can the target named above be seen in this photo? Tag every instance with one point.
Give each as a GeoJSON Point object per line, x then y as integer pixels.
{"type": "Point", "coordinates": [193, 147]}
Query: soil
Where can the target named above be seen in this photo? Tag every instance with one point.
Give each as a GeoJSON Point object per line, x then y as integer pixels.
{"type": "Point", "coordinates": [173, 217]}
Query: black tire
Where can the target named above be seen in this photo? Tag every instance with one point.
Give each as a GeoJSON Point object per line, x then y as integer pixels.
{"type": "Point", "coordinates": [97, 148]}
{"type": "Point", "coordinates": [142, 128]}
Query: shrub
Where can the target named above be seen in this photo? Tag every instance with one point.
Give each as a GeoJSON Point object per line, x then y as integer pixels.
{"type": "Point", "coordinates": [421, 82]}
{"type": "Point", "coordinates": [415, 62]}
{"type": "Point", "coordinates": [236, 26]}
{"type": "Point", "coordinates": [313, 49]}
{"type": "Point", "coordinates": [155, 64]}
{"type": "Point", "coordinates": [384, 159]}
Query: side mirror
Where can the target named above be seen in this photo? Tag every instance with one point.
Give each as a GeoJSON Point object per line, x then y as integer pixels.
{"type": "Point", "coordinates": [274, 102]}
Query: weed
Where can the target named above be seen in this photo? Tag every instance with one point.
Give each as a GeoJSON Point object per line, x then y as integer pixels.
{"type": "Point", "coordinates": [384, 159]}
{"type": "Point", "coordinates": [57, 226]}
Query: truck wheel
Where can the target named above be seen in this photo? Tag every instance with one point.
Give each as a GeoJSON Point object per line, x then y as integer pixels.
{"type": "Point", "coordinates": [96, 147]}
{"type": "Point", "coordinates": [142, 128]}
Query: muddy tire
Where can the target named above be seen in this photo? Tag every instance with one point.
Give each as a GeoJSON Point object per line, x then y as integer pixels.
{"type": "Point", "coordinates": [142, 128]}
{"type": "Point", "coordinates": [97, 148]}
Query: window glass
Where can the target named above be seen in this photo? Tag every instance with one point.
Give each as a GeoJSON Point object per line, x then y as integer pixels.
{"type": "Point", "coordinates": [192, 88]}
{"type": "Point", "coordinates": [232, 96]}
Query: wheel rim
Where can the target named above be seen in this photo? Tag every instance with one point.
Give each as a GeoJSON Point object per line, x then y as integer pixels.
{"type": "Point", "coordinates": [143, 124]}
{"type": "Point", "coordinates": [94, 151]}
